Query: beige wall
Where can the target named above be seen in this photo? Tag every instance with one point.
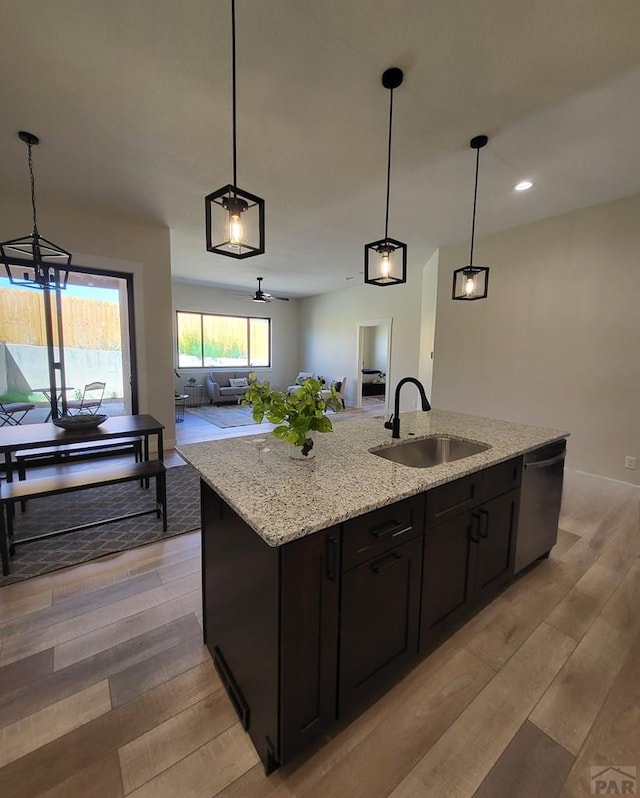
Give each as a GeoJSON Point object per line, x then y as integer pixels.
{"type": "Point", "coordinates": [329, 331]}
{"type": "Point", "coordinates": [284, 328]}
{"type": "Point", "coordinates": [428, 322]}
{"type": "Point", "coordinates": [110, 241]}
{"type": "Point", "coordinates": [557, 340]}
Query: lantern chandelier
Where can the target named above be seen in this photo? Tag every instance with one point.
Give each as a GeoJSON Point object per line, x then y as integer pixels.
{"type": "Point", "coordinates": [234, 218]}
{"type": "Point", "coordinates": [471, 282]}
{"type": "Point", "coordinates": [385, 261]}
{"type": "Point", "coordinates": [47, 264]}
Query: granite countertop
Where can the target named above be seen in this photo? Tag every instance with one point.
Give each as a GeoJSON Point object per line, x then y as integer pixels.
{"type": "Point", "coordinates": [284, 499]}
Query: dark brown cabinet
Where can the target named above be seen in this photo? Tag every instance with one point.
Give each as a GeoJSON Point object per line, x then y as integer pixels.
{"type": "Point", "coordinates": [447, 584]}
{"type": "Point", "coordinates": [316, 629]}
{"type": "Point", "coordinates": [271, 625]}
{"type": "Point", "coordinates": [309, 638]}
{"type": "Point", "coordinates": [495, 548]}
{"type": "Point", "coordinates": [379, 623]}
{"type": "Point", "coordinates": [469, 546]}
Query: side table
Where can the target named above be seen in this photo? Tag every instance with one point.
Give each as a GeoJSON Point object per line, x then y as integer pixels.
{"type": "Point", "coordinates": [181, 401]}
{"type": "Point", "coordinates": [194, 395]}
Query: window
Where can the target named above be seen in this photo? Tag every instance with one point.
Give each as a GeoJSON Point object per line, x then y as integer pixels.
{"type": "Point", "coordinates": [206, 339]}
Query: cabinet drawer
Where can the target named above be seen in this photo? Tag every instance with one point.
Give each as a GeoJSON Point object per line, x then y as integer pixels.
{"type": "Point", "coordinates": [374, 533]}
{"type": "Point", "coordinates": [453, 498]}
{"type": "Point", "coordinates": [501, 478]}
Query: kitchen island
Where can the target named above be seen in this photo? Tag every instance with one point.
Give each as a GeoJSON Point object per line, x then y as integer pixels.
{"type": "Point", "coordinates": [325, 581]}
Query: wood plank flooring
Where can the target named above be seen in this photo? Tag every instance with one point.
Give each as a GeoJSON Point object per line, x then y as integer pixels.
{"type": "Point", "coordinates": [107, 691]}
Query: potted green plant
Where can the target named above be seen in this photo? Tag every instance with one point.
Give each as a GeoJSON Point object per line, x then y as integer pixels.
{"type": "Point", "coordinates": [297, 416]}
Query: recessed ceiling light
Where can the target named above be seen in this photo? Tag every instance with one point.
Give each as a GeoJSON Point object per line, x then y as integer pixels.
{"type": "Point", "coordinates": [523, 185]}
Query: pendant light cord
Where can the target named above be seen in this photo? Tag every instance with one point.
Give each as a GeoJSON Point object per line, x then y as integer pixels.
{"type": "Point", "coordinates": [475, 198]}
{"type": "Point", "coordinates": [233, 80]}
{"type": "Point", "coordinates": [386, 216]}
{"type": "Point", "coordinates": [33, 192]}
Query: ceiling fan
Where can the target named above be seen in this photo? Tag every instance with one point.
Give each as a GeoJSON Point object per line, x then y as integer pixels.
{"type": "Point", "coordinates": [262, 296]}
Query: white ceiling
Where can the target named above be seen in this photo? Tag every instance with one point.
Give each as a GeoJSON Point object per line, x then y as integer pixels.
{"type": "Point", "coordinates": [132, 102]}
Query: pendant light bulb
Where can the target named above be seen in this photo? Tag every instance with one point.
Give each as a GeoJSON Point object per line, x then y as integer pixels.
{"type": "Point", "coordinates": [385, 264]}
{"type": "Point", "coordinates": [469, 285]}
{"type": "Point", "coordinates": [236, 235]}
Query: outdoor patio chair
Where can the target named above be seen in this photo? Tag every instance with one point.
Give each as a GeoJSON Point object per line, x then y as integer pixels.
{"type": "Point", "coordinates": [12, 413]}
{"type": "Point", "coordinates": [91, 399]}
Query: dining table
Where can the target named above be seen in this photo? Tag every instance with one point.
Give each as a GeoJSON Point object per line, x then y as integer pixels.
{"type": "Point", "coordinates": [37, 436]}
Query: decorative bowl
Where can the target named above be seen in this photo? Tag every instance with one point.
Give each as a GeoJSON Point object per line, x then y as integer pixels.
{"type": "Point", "coordinates": [82, 421]}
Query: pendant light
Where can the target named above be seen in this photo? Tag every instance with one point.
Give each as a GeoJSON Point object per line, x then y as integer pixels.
{"type": "Point", "coordinates": [471, 282]}
{"type": "Point", "coordinates": [234, 218]}
{"type": "Point", "coordinates": [385, 261]}
{"type": "Point", "coordinates": [46, 263]}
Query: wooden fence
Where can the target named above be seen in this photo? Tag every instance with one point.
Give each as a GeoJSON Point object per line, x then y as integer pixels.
{"type": "Point", "coordinates": [87, 323]}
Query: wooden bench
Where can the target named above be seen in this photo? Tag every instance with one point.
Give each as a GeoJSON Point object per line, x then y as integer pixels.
{"type": "Point", "coordinates": [13, 492]}
{"type": "Point", "coordinates": [69, 453]}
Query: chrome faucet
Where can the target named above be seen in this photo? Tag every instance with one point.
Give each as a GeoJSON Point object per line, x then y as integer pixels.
{"type": "Point", "coordinates": [394, 422]}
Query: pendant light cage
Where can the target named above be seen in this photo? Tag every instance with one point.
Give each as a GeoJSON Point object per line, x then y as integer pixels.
{"type": "Point", "coordinates": [234, 218]}
{"type": "Point", "coordinates": [385, 261]}
{"type": "Point", "coordinates": [33, 261]}
{"type": "Point", "coordinates": [472, 282]}
{"type": "Point", "coordinates": [234, 221]}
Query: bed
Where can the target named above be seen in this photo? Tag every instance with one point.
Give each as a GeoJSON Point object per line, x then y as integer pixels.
{"type": "Point", "coordinates": [373, 382]}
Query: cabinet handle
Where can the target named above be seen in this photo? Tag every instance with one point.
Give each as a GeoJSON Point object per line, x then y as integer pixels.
{"type": "Point", "coordinates": [545, 463]}
{"type": "Point", "coordinates": [385, 562]}
{"type": "Point", "coordinates": [332, 557]}
{"type": "Point", "coordinates": [473, 529]}
{"type": "Point", "coordinates": [390, 530]}
{"type": "Point", "coordinates": [483, 528]}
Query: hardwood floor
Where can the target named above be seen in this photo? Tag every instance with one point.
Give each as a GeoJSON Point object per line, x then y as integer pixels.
{"type": "Point", "coordinates": [106, 689]}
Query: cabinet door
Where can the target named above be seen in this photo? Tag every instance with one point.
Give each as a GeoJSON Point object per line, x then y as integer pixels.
{"type": "Point", "coordinates": [447, 580]}
{"type": "Point", "coordinates": [309, 638]}
{"type": "Point", "coordinates": [379, 623]}
{"type": "Point", "coordinates": [496, 547]}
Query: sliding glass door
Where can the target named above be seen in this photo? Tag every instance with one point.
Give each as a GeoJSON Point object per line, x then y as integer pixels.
{"type": "Point", "coordinates": [89, 337]}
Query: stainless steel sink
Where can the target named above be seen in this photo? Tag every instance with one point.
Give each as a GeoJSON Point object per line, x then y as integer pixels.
{"type": "Point", "coordinates": [429, 452]}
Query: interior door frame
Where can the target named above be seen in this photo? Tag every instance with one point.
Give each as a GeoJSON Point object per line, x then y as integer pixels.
{"type": "Point", "coordinates": [362, 325]}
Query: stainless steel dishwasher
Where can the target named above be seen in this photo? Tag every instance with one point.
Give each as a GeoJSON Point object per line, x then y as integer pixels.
{"type": "Point", "coordinates": [540, 498]}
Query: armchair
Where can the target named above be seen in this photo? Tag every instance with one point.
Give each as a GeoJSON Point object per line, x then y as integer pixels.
{"type": "Point", "coordinates": [339, 386]}
{"type": "Point", "coordinates": [303, 375]}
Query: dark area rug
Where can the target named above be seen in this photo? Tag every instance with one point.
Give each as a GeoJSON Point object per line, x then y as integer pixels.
{"type": "Point", "coordinates": [57, 512]}
{"type": "Point", "coordinates": [230, 415]}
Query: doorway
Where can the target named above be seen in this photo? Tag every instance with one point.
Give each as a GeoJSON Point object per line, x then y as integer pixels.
{"type": "Point", "coordinates": [374, 363]}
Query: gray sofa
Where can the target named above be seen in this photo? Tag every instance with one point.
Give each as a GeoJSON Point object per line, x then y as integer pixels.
{"type": "Point", "coordinates": [219, 388]}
